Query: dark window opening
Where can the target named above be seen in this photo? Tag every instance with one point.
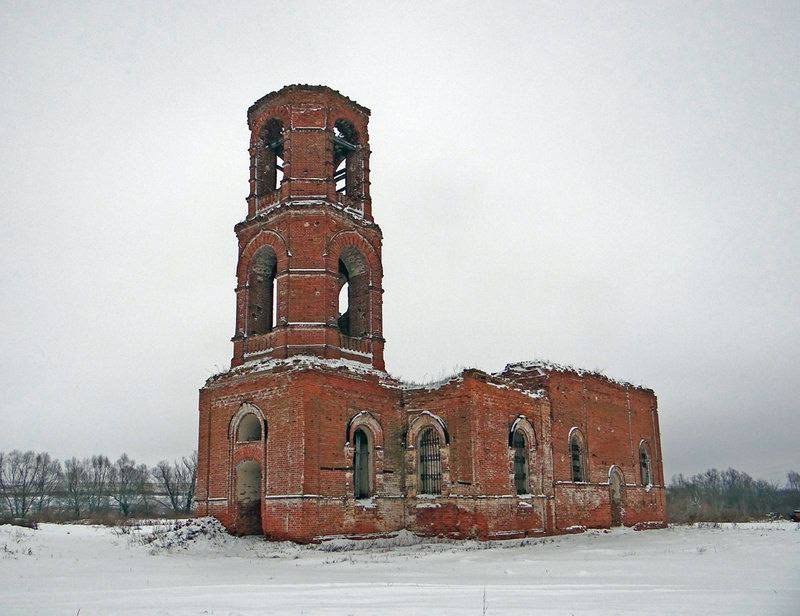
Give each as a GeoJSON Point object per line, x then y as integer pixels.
{"type": "Point", "coordinates": [361, 465]}
{"type": "Point", "coordinates": [644, 464]}
{"type": "Point", "coordinates": [348, 172]}
{"type": "Point", "coordinates": [520, 462]}
{"type": "Point", "coordinates": [269, 158]}
{"type": "Point", "coordinates": [576, 454]}
{"type": "Point", "coordinates": [353, 301]}
{"type": "Point", "coordinates": [430, 463]}
{"type": "Point", "coordinates": [262, 293]}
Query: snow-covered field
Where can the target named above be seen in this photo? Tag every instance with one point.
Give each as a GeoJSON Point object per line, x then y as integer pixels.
{"type": "Point", "coordinates": [71, 569]}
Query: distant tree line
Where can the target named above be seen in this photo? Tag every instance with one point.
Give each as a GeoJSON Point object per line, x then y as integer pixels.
{"type": "Point", "coordinates": [730, 496]}
{"type": "Point", "coordinates": [36, 486]}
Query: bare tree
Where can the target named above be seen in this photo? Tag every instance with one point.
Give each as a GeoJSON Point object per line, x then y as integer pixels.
{"type": "Point", "coordinates": [48, 481]}
{"type": "Point", "coordinates": [126, 483]}
{"type": "Point", "coordinates": [24, 476]}
{"type": "Point", "coordinates": [98, 475]}
{"type": "Point", "coordinates": [189, 477]}
{"type": "Point", "coordinates": [178, 481]}
{"type": "Point", "coordinates": [793, 481]}
{"type": "Point", "coordinates": [75, 480]}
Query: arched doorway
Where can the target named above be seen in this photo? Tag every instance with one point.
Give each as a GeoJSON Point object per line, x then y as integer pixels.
{"type": "Point", "coordinates": [616, 487]}
{"type": "Point", "coordinates": [248, 498]}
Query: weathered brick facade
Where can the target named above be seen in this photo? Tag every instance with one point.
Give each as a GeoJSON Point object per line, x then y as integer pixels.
{"type": "Point", "coordinates": [306, 436]}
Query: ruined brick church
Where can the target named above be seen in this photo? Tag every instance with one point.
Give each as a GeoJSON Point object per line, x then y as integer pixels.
{"type": "Point", "coordinates": [306, 436]}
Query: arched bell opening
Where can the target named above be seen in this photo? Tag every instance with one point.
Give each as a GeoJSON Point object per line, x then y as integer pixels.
{"type": "Point", "coordinates": [348, 173]}
{"type": "Point", "coordinates": [269, 158]}
{"type": "Point", "coordinates": [353, 301]}
{"type": "Point", "coordinates": [262, 287]}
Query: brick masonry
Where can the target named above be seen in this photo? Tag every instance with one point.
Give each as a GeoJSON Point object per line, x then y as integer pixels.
{"type": "Point", "coordinates": [313, 378]}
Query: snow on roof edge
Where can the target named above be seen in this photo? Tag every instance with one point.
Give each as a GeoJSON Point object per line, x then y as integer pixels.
{"type": "Point", "coordinates": [297, 362]}
{"type": "Point", "coordinates": [544, 367]}
{"type": "Point", "coordinates": [304, 362]}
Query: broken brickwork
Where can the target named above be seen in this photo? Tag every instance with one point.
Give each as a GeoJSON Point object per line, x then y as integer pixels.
{"type": "Point", "coordinates": [306, 436]}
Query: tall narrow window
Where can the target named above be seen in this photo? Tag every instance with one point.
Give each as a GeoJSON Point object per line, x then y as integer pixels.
{"type": "Point", "coordinates": [615, 486]}
{"type": "Point", "coordinates": [346, 163]}
{"type": "Point", "coordinates": [577, 456]}
{"type": "Point", "coordinates": [262, 292]}
{"type": "Point", "coordinates": [269, 158]}
{"type": "Point", "coordinates": [361, 465]}
{"type": "Point", "coordinates": [429, 462]}
{"type": "Point", "coordinates": [520, 462]}
{"type": "Point", "coordinates": [644, 464]}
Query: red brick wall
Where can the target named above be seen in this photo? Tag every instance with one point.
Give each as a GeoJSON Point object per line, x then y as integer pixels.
{"type": "Point", "coordinates": [306, 458]}
{"type": "Point", "coordinates": [613, 419]}
{"type": "Point", "coordinates": [307, 461]}
{"type": "Point", "coordinates": [308, 225]}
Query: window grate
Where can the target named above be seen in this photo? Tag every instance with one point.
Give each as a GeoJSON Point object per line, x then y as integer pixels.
{"type": "Point", "coordinates": [644, 463]}
{"type": "Point", "coordinates": [577, 460]}
{"type": "Point", "coordinates": [361, 474]}
{"type": "Point", "coordinates": [520, 463]}
{"type": "Point", "coordinates": [430, 463]}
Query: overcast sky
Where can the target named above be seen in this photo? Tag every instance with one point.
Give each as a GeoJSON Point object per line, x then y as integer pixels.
{"type": "Point", "coordinates": [610, 186]}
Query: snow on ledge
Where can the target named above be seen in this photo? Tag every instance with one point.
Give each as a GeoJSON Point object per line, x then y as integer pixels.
{"type": "Point", "coordinates": [298, 362]}
{"type": "Point", "coordinates": [536, 394]}
{"type": "Point", "coordinates": [432, 385]}
{"type": "Point", "coordinates": [542, 367]}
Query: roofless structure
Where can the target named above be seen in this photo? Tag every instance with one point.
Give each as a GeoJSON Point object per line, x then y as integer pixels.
{"type": "Point", "coordinates": [307, 437]}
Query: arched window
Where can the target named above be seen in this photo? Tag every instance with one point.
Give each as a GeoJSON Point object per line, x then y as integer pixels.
{"type": "Point", "coordinates": [644, 465]}
{"type": "Point", "coordinates": [577, 457]}
{"type": "Point", "coordinates": [429, 462]}
{"type": "Point", "coordinates": [354, 303]}
{"type": "Point", "coordinates": [262, 292]}
{"type": "Point", "coordinates": [362, 465]}
{"type": "Point", "coordinates": [249, 429]}
{"type": "Point", "coordinates": [348, 173]}
{"type": "Point", "coordinates": [520, 447]}
{"type": "Point", "coordinates": [269, 158]}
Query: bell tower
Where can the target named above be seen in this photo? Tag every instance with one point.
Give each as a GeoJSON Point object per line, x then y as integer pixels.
{"type": "Point", "coordinates": [309, 275]}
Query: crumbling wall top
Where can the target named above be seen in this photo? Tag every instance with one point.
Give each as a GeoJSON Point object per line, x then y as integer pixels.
{"type": "Point", "coordinates": [253, 110]}
{"type": "Point", "coordinates": [540, 369]}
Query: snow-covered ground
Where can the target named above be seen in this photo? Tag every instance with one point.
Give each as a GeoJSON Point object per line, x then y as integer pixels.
{"type": "Point", "coordinates": [734, 569]}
